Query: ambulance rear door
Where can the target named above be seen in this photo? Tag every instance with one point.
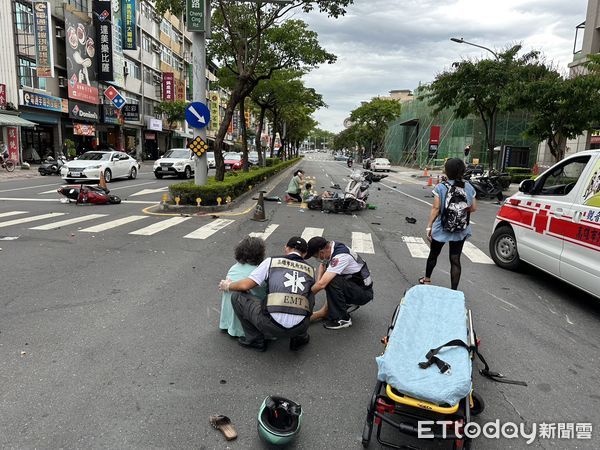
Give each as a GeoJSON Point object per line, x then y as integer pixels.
{"type": "Point", "coordinates": [580, 259]}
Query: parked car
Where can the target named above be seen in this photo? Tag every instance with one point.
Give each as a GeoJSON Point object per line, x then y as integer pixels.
{"type": "Point", "coordinates": [88, 166]}
{"type": "Point", "coordinates": [210, 159]}
{"type": "Point", "coordinates": [381, 164]}
{"type": "Point", "coordinates": [233, 161]}
{"type": "Point", "coordinates": [553, 223]}
{"type": "Point", "coordinates": [340, 158]}
{"type": "Point", "coordinates": [253, 158]}
{"type": "Point", "coordinates": [177, 162]}
{"type": "Point", "coordinates": [366, 163]}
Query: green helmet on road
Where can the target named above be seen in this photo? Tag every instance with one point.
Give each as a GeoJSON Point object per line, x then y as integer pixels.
{"type": "Point", "coordinates": [279, 420]}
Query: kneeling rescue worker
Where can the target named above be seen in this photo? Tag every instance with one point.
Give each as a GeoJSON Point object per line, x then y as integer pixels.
{"type": "Point", "coordinates": [289, 303]}
{"type": "Point", "coordinates": [346, 280]}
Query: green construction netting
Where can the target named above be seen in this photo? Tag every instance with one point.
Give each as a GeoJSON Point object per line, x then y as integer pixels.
{"type": "Point", "coordinates": [407, 138]}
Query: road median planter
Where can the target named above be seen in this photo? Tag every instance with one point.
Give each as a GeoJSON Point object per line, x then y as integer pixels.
{"type": "Point", "coordinates": [219, 195]}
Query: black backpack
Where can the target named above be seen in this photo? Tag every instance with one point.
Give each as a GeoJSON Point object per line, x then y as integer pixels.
{"type": "Point", "coordinates": [455, 215]}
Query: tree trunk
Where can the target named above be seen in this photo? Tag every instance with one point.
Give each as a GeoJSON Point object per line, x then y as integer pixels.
{"type": "Point", "coordinates": [492, 139]}
{"type": "Point", "coordinates": [273, 134]}
{"type": "Point", "coordinates": [242, 106]}
{"type": "Point", "coordinates": [259, 149]}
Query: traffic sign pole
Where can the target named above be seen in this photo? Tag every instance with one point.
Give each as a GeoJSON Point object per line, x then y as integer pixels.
{"type": "Point", "coordinates": [199, 94]}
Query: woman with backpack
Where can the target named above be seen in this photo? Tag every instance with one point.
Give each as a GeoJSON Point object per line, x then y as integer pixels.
{"type": "Point", "coordinates": [454, 201]}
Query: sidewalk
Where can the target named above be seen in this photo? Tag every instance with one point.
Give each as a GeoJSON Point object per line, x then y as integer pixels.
{"type": "Point", "coordinates": [19, 174]}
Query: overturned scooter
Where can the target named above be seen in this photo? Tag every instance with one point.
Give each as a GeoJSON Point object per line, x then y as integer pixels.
{"type": "Point", "coordinates": [354, 197]}
{"type": "Point", "coordinates": [95, 194]}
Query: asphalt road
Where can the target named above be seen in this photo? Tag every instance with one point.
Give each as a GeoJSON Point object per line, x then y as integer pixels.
{"type": "Point", "coordinates": [110, 339]}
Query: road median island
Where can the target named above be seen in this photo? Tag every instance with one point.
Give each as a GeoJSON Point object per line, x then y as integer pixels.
{"type": "Point", "coordinates": [220, 196]}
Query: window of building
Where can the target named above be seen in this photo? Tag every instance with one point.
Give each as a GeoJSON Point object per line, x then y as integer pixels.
{"type": "Point", "coordinates": [24, 19]}
{"type": "Point", "coordinates": [166, 55]}
{"type": "Point", "coordinates": [134, 69]}
{"type": "Point", "coordinates": [151, 77]}
{"type": "Point", "coordinates": [146, 42]}
{"type": "Point", "coordinates": [27, 75]}
{"type": "Point", "coordinates": [165, 27]}
{"type": "Point", "coordinates": [81, 5]}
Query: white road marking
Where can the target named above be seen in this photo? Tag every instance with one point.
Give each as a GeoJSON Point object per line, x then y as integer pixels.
{"type": "Point", "coordinates": [9, 238]}
{"type": "Point", "coordinates": [568, 320]}
{"type": "Point", "coordinates": [30, 219]}
{"type": "Point", "coordinates": [312, 232]}
{"type": "Point", "coordinates": [53, 191]}
{"type": "Point", "coordinates": [265, 234]}
{"type": "Point", "coordinates": [55, 225]}
{"type": "Point", "coordinates": [132, 185]}
{"type": "Point", "coordinates": [404, 193]}
{"type": "Point", "coordinates": [28, 187]}
{"type": "Point", "coordinates": [12, 213]}
{"type": "Point", "coordinates": [209, 229]}
{"type": "Point", "coordinates": [159, 226]}
{"type": "Point", "coordinates": [416, 246]}
{"type": "Point", "coordinates": [476, 255]}
{"type": "Point", "coordinates": [362, 242]}
{"type": "Point", "coordinates": [10, 199]}
{"type": "Point", "coordinates": [112, 224]}
{"type": "Point", "coordinates": [502, 300]}
{"type": "Point", "coordinates": [150, 191]}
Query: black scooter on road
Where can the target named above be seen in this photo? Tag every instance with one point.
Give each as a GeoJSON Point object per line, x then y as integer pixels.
{"type": "Point", "coordinates": [487, 187]}
{"type": "Point", "coordinates": [52, 166]}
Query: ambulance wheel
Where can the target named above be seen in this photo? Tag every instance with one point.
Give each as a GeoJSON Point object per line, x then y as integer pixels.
{"type": "Point", "coordinates": [503, 248]}
{"type": "Point", "coordinates": [478, 404]}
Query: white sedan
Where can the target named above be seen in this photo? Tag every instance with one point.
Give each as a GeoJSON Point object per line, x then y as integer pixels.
{"type": "Point", "coordinates": [88, 166]}
{"type": "Point", "coordinates": [381, 164]}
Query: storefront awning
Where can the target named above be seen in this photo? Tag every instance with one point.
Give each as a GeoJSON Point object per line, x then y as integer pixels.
{"type": "Point", "coordinates": [183, 134]}
{"type": "Point", "coordinates": [8, 120]}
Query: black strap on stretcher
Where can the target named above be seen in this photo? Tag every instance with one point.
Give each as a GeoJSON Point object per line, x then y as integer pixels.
{"type": "Point", "coordinates": [445, 367]}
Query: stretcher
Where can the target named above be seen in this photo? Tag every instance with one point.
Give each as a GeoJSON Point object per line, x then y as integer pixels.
{"type": "Point", "coordinates": [425, 372]}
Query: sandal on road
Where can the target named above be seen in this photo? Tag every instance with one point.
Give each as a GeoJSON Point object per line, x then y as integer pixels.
{"type": "Point", "coordinates": [424, 280]}
{"type": "Point", "coordinates": [223, 424]}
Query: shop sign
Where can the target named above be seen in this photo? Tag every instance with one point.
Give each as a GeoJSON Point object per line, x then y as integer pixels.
{"type": "Point", "coordinates": [81, 57]}
{"type": "Point", "coordinates": [13, 143]}
{"type": "Point", "coordinates": [195, 15]}
{"type": "Point", "coordinates": [128, 8]}
{"type": "Point", "coordinates": [83, 111]}
{"type": "Point", "coordinates": [44, 54]}
{"type": "Point", "coordinates": [168, 86]}
{"type": "Point", "coordinates": [214, 111]}
{"type": "Point", "coordinates": [82, 129]}
{"type": "Point", "coordinates": [104, 32]}
{"type": "Point", "coordinates": [2, 96]}
{"type": "Point", "coordinates": [131, 112]}
{"type": "Point", "coordinates": [111, 114]}
{"type": "Point", "coordinates": [41, 101]}
{"type": "Point", "coordinates": [149, 136]}
{"type": "Point", "coordinates": [117, 57]}
{"type": "Point", "coordinates": [154, 124]}
{"type": "Point", "coordinates": [180, 90]}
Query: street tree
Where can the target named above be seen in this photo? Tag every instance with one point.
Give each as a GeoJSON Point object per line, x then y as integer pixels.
{"type": "Point", "coordinates": [481, 87]}
{"type": "Point", "coordinates": [320, 138]}
{"type": "Point", "coordinates": [372, 118]}
{"type": "Point", "coordinates": [173, 112]}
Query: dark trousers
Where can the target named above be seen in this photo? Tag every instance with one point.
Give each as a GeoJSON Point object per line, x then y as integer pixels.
{"type": "Point", "coordinates": [257, 325]}
{"type": "Point", "coordinates": [455, 267]}
{"type": "Point", "coordinates": [342, 292]}
{"type": "Point", "coordinates": [296, 197]}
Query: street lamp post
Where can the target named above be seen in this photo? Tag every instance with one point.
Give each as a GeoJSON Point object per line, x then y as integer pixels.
{"type": "Point", "coordinates": [494, 118]}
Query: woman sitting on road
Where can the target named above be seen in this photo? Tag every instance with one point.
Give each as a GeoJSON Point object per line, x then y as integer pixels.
{"type": "Point", "coordinates": [453, 228]}
{"type": "Point", "coordinates": [295, 187]}
{"type": "Point", "coordinates": [249, 253]}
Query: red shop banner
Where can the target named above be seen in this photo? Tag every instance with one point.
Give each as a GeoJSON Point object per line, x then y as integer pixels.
{"type": "Point", "coordinates": [81, 129]}
{"type": "Point", "coordinates": [2, 96]}
{"type": "Point", "coordinates": [13, 143]}
{"type": "Point", "coordinates": [168, 86]}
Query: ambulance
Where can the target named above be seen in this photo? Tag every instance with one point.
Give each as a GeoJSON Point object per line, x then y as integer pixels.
{"type": "Point", "coordinates": [553, 223]}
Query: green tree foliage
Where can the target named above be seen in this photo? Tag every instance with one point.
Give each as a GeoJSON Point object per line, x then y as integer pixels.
{"type": "Point", "coordinates": [320, 138]}
{"type": "Point", "coordinates": [370, 122]}
{"type": "Point", "coordinates": [173, 112]}
{"type": "Point", "coordinates": [482, 87]}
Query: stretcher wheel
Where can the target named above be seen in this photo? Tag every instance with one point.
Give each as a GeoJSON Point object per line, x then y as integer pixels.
{"type": "Point", "coordinates": [478, 404]}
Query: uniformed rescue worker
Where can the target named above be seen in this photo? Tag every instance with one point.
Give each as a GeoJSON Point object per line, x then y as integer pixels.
{"type": "Point", "coordinates": [346, 280]}
{"type": "Point", "coordinates": [289, 303]}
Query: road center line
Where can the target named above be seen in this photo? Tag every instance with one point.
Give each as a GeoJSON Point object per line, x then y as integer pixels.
{"type": "Point", "coordinates": [404, 193]}
{"type": "Point", "coordinates": [29, 187]}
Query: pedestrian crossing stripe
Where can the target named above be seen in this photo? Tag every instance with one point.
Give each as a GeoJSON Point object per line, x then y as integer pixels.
{"type": "Point", "coordinates": [113, 224]}
{"type": "Point", "coordinates": [416, 246]}
{"type": "Point", "coordinates": [209, 229]}
{"type": "Point", "coordinates": [12, 213]}
{"type": "Point", "coordinates": [29, 219]}
{"type": "Point", "coordinates": [62, 223]}
{"type": "Point", "coordinates": [265, 234]}
{"type": "Point", "coordinates": [160, 226]}
{"type": "Point", "coordinates": [362, 243]}
{"type": "Point", "coordinates": [476, 255]}
{"type": "Point", "coordinates": [310, 232]}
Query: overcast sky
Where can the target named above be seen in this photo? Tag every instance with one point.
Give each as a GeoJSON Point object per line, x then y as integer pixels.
{"type": "Point", "coordinates": [395, 44]}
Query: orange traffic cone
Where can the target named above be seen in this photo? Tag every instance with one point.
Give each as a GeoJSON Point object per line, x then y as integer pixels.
{"type": "Point", "coordinates": [102, 182]}
{"type": "Point", "coordinates": [437, 180]}
{"type": "Point", "coordinates": [430, 181]}
{"type": "Point", "coordinates": [426, 172]}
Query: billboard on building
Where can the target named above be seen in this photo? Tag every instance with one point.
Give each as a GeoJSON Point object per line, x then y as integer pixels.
{"type": "Point", "coordinates": [42, 101]}
{"type": "Point", "coordinates": [128, 12]}
{"type": "Point", "coordinates": [180, 90]}
{"type": "Point", "coordinates": [44, 52]}
{"type": "Point", "coordinates": [102, 11]}
{"type": "Point", "coordinates": [81, 56]}
{"type": "Point", "coordinates": [131, 112]}
{"type": "Point", "coordinates": [2, 96]}
{"type": "Point", "coordinates": [13, 143]}
{"type": "Point", "coordinates": [83, 111]}
{"type": "Point", "coordinates": [215, 111]}
{"type": "Point", "coordinates": [118, 60]}
{"type": "Point", "coordinates": [168, 80]}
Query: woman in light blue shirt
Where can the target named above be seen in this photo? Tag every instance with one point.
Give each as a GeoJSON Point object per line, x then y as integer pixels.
{"type": "Point", "coordinates": [249, 253]}
{"type": "Point", "coordinates": [437, 234]}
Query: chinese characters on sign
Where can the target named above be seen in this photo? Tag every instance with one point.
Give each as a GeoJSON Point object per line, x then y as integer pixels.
{"type": "Point", "coordinates": [129, 25]}
{"type": "Point", "coordinates": [43, 101]}
{"type": "Point", "coordinates": [168, 86]}
{"type": "Point", "coordinates": [131, 112]}
{"type": "Point", "coordinates": [2, 96]}
{"type": "Point", "coordinates": [44, 56]}
{"type": "Point", "coordinates": [195, 15]}
{"type": "Point", "coordinates": [103, 23]}
{"type": "Point", "coordinates": [13, 143]}
{"type": "Point", "coordinates": [180, 90]}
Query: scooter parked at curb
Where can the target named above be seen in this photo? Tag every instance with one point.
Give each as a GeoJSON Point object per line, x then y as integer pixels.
{"type": "Point", "coordinates": [51, 166]}
{"type": "Point", "coordinates": [487, 187]}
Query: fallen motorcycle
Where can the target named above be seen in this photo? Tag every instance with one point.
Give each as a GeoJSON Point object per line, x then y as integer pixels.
{"type": "Point", "coordinates": [51, 166]}
{"type": "Point", "coordinates": [354, 197]}
{"type": "Point", "coordinates": [88, 194]}
{"type": "Point", "coordinates": [487, 187]}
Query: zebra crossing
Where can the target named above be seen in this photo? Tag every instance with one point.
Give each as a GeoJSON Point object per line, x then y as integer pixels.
{"type": "Point", "coordinates": [361, 242]}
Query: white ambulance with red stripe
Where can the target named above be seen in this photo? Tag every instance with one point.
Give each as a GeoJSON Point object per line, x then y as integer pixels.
{"type": "Point", "coordinates": [553, 223]}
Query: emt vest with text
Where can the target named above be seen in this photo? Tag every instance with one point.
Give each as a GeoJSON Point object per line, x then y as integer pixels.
{"type": "Point", "coordinates": [362, 277]}
{"type": "Point", "coordinates": [289, 281]}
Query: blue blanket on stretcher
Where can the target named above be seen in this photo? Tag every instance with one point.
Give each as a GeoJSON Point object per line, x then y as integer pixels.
{"type": "Point", "coordinates": [429, 316]}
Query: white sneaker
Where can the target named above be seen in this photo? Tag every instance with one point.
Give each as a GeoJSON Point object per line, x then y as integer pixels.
{"type": "Point", "coordinates": [337, 324]}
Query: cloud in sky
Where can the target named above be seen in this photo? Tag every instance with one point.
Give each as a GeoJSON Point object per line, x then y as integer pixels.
{"type": "Point", "coordinates": [396, 44]}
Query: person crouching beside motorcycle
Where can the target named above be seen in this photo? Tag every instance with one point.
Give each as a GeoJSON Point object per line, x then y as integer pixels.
{"type": "Point", "coordinates": [295, 187]}
{"type": "Point", "coordinates": [344, 276]}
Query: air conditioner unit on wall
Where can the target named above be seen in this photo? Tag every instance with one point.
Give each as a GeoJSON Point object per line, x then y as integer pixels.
{"type": "Point", "coordinates": [126, 70]}
{"type": "Point", "coordinates": [60, 33]}
{"type": "Point", "coordinates": [62, 82]}
{"type": "Point", "coordinates": [156, 48]}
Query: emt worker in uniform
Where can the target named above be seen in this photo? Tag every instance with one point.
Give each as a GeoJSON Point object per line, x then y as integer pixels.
{"type": "Point", "coordinates": [346, 280]}
{"type": "Point", "coordinates": [289, 303]}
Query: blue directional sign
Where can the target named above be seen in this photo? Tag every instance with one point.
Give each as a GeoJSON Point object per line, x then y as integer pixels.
{"type": "Point", "coordinates": [197, 115]}
{"type": "Point", "coordinates": [118, 101]}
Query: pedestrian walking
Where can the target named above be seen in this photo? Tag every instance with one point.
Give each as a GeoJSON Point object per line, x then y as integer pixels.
{"type": "Point", "coordinates": [249, 253]}
{"type": "Point", "coordinates": [285, 313]}
{"type": "Point", "coordinates": [295, 186]}
{"type": "Point", "coordinates": [453, 203]}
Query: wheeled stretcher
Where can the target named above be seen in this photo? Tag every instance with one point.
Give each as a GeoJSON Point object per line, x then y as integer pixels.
{"type": "Point", "coordinates": [425, 373]}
